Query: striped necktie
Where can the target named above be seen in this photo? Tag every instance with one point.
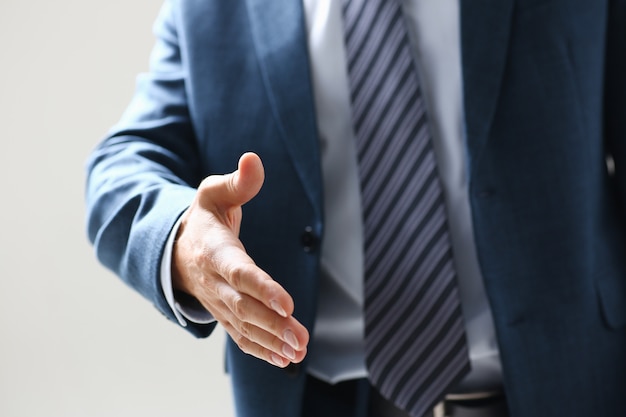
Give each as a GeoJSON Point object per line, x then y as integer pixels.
{"type": "Point", "coordinates": [414, 332]}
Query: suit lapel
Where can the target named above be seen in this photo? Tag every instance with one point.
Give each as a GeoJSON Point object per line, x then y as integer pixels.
{"type": "Point", "coordinates": [279, 32]}
{"type": "Point", "coordinates": [485, 27]}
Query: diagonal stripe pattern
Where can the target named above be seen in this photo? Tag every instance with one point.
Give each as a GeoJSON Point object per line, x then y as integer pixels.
{"type": "Point", "coordinates": [415, 338]}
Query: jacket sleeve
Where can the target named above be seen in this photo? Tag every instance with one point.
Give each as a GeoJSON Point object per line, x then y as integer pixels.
{"type": "Point", "coordinates": [143, 175]}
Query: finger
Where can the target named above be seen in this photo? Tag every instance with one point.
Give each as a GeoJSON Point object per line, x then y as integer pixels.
{"type": "Point", "coordinates": [249, 177]}
{"type": "Point", "coordinates": [244, 276]}
{"type": "Point", "coordinates": [254, 320]}
{"type": "Point", "coordinates": [264, 346]}
{"type": "Point", "coordinates": [238, 187]}
{"type": "Point", "coordinates": [254, 349]}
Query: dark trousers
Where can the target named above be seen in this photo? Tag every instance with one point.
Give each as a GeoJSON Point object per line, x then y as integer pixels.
{"type": "Point", "coordinates": [345, 399]}
{"type": "Point", "coordinates": [356, 398]}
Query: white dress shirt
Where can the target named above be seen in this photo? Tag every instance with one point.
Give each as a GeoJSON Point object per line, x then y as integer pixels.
{"type": "Point", "coordinates": [336, 348]}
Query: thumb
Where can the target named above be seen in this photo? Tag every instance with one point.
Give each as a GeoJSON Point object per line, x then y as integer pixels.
{"type": "Point", "coordinates": [239, 187]}
{"type": "Point", "coordinates": [247, 181]}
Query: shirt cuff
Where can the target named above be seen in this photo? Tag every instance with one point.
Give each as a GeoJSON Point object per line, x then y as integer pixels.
{"type": "Point", "coordinates": [193, 312]}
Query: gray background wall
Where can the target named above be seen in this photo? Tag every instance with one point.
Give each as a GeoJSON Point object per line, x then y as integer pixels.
{"type": "Point", "coordinates": [74, 341]}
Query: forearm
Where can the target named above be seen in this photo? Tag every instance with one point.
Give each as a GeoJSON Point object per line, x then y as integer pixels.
{"type": "Point", "coordinates": [143, 175]}
{"type": "Point", "coordinates": [131, 211]}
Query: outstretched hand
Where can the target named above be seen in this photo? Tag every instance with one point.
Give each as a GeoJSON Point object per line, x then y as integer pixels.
{"type": "Point", "coordinates": [210, 263]}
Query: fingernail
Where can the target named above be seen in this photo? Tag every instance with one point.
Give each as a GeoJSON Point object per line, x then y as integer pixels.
{"type": "Point", "coordinates": [278, 361]}
{"type": "Point", "coordinates": [278, 308]}
{"type": "Point", "coordinates": [289, 352]}
{"type": "Point", "coordinates": [290, 338]}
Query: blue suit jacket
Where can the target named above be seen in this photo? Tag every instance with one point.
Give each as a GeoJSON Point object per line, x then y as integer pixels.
{"type": "Point", "coordinates": [545, 103]}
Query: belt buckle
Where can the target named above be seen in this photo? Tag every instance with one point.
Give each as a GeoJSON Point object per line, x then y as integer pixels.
{"type": "Point", "coordinates": [440, 409]}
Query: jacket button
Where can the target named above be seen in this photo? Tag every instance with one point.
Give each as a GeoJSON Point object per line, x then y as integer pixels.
{"type": "Point", "coordinates": [309, 240]}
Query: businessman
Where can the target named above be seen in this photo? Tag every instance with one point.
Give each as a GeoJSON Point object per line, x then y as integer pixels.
{"type": "Point", "coordinates": [427, 208]}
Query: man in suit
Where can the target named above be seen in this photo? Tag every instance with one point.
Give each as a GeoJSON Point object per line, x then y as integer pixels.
{"type": "Point", "coordinates": [535, 215]}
